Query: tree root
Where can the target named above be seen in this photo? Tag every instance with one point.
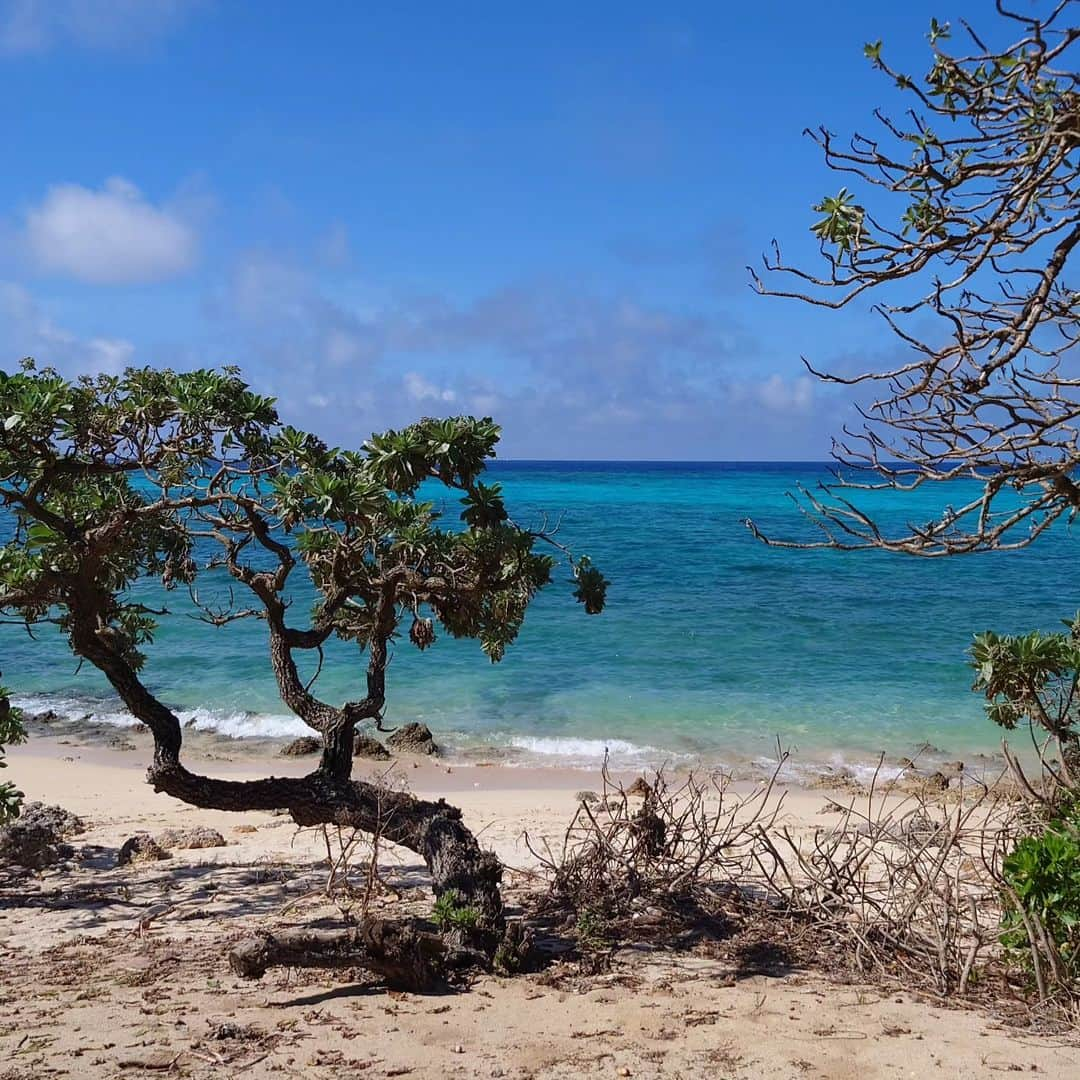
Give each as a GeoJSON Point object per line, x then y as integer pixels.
{"type": "Point", "coordinates": [406, 953]}
{"type": "Point", "coordinates": [406, 956]}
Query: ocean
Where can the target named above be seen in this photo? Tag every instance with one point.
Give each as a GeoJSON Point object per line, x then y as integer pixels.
{"type": "Point", "coordinates": [713, 646]}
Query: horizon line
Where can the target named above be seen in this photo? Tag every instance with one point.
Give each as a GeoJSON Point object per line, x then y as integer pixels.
{"type": "Point", "coordinates": [665, 461]}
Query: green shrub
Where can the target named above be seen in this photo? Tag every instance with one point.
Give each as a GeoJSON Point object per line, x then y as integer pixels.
{"type": "Point", "coordinates": [11, 731]}
{"type": "Point", "coordinates": [1031, 677]}
{"type": "Point", "coordinates": [1043, 874]}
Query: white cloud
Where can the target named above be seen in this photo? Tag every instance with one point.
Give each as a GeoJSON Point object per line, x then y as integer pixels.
{"type": "Point", "coordinates": [485, 404]}
{"type": "Point", "coordinates": [567, 371]}
{"type": "Point", "coordinates": [420, 389]}
{"type": "Point", "coordinates": [787, 395]}
{"type": "Point", "coordinates": [31, 26]}
{"type": "Point", "coordinates": [265, 289]}
{"type": "Point", "coordinates": [109, 354]}
{"type": "Point", "coordinates": [110, 236]}
{"type": "Point", "coordinates": [342, 347]}
{"type": "Point", "coordinates": [275, 311]}
{"type": "Point", "coordinates": [25, 330]}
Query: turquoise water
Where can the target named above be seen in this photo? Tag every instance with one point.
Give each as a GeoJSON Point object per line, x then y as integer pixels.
{"type": "Point", "coordinates": [712, 646]}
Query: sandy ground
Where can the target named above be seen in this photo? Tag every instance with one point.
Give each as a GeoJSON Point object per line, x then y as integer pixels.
{"type": "Point", "coordinates": [121, 972]}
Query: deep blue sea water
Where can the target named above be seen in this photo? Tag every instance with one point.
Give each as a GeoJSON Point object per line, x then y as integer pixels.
{"type": "Point", "coordinates": [712, 645]}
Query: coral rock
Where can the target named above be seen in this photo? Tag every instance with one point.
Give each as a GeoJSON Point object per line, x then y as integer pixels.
{"type": "Point", "coordinates": [197, 836]}
{"type": "Point", "coordinates": [306, 744]}
{"type": "Point", "coordinates": [32, 845]}
{"type": "Point", "coordinates": [413, 739]}
{"type": "Point", "coordinates": [367, 746]}
{"type": "Point", "coordinates": [140, 848]}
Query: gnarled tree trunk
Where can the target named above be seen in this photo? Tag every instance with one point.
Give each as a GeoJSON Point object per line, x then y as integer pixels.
{"type": "Point", "coordinates": [407, 953]}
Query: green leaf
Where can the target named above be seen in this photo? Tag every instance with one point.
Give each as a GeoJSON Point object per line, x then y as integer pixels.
{"type": "Point", "coordinates": [592, 586]}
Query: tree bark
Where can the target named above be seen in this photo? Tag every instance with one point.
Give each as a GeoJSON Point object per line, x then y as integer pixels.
{"type": "Point", "coordinates": [403, 953]}
{"type": "Point", "coordinates": [327, 796]}
{"type": "Point", "coordinates": [406, 956]}
{"type": "Point", "coordinates": [434, 830]}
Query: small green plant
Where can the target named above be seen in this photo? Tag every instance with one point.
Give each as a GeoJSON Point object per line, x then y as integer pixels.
{"type": "Point", "coordinates": [11, 732]}
{"type": "Point", "coordinates": [592, 931]}
{"type": "Point", "coordinates": [515, 951]}
{"type": "Point", "coordinates": [1042, 876]}
{"type": "Point", "coordinates": [452, 913]}
{"type": "Point", "coordinates": [1034, 679]}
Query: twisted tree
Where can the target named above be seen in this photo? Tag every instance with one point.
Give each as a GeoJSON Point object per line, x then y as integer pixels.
{"type": "Point", "coordinates": [961, 223]}
{"type": "Point", "coordinates": [191, 477]}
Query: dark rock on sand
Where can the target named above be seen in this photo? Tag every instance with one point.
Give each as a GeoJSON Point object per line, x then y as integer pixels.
{"type": "Point", "coordinates": [46, 717]}
{"type": "Point", "coordinates": [197, 836]}
{"type": "Point", "coordinates": [639, 787]}
{"type": "Point", "coordinates": [923, 829]}
{"type": "Point", "coordinates": [306, 744]}
{"type": "Point", "coordinates": [413, 739]}
{"type": "Point", "coordinates": [62, 822]}
{"type": "Point", "coordinates": [367, 746]}
{"type": "Point", "coordinates": [140, 848]}
{"type": "Point", "coordinates": [925, 783]}
{"type": "Point", "coordinates": [837, 779]}
{"type": "Point", "coordinates": [34, 846]}
{"type": "Point", "coordinates": [36, 838]}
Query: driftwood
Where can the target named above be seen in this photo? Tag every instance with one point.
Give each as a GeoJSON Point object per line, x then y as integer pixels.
{"type": "Point", "coordinates": [404, 955]}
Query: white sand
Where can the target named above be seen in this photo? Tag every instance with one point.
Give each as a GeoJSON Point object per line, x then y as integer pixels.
{"type": "Point", "coordinates": [121, 972]}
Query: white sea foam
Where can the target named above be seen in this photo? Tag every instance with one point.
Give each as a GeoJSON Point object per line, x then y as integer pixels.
{"type": "Point", "coordinates": [243, 725]}
{"type": "Point", "coordinates": [532, 749]}
{"type": "Point", "coordinates": [74, 709]}
{"type": "Point", "coordinates": [236, 724]}
{"type": "Point", "coordinates": [864, 772]}
{"type": "Point", "coordinates": [575, 749]}
{"type": "Point", "coordinates": [809, 769]}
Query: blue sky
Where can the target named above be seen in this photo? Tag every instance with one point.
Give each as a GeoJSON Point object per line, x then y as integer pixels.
{"type": "Point", "coordinates": [541, 212]}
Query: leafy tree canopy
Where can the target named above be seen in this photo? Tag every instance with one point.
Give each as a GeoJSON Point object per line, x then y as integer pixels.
{"type": "Point", "coordinates": [111, 480]}
{"type": "Point", "coordinates": [11, 731]}
{"type": "Point", "coordinates": [115, 478]}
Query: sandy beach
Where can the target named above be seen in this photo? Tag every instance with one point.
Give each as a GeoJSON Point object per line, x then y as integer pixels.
{"type": "Point", "coordinates": [489, 498]}
{"type": "Point", "coordinates": [121, 971]}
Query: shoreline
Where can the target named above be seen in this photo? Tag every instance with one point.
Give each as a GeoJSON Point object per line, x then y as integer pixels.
{"type": "Point", "coordinates": [810, 769]}
{"type": "Point", "coordinates": [107, 786]}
